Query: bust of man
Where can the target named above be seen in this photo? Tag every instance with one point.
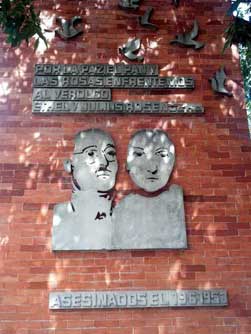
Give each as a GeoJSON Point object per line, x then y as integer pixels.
{"type": "Point", "coordinates": [155, 221]}
{"type": "Point", "coordinates": [84, 223]}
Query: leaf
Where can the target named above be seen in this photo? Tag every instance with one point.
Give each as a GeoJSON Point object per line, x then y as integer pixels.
{"type": "Point", "coordinates": [36, 43]}
{"type": "Point", "coordinates": [40, 34]}
{"type": "Point", "coordinates": [227, 44]}
{"type": "Point", "coordinates": [19, 21]}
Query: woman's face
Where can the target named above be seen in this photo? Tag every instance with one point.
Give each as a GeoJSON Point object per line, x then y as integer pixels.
{"type": "Point", "coordinates": [150, 159]}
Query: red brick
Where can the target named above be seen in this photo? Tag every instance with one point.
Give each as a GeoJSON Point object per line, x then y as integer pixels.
{"type": "Point", "coordinates": [213, 154]}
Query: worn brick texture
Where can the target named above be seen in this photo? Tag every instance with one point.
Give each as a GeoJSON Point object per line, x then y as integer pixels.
{"type": "Point", "coordinates": [213, 166]}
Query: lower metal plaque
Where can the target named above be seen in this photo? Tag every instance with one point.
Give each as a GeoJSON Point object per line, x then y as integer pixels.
{"type": "Point", "coordinates": [85, 107]}
{"type": "Point", "coordinates": [137, 299]}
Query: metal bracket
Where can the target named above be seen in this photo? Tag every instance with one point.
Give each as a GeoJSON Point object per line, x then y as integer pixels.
{"type": "Point", "coordinates": [67, 28]}
{"type": "Point", "coordinates": [144, 20]}
{"type": "Point", "coordinates": [187, 38]}
{"type": "Point", "coordinates": [217, 82]}
{"type": "Point", "coordinates": [130, 49]}
{"type": "Point", "coordinates": [129, 4]}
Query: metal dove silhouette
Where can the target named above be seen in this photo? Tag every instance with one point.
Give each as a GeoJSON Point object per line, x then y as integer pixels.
{"type": "Point", "coordinates": [187, 38]}
{"type": "Point", "coordinates": [217, 82]}
{"type": "Point", "coordinates": [144, 20]}
{"type": "Point", "coordinates": [131, 48]}
{"type": "Point", "coordinates": [68, 29]}
{"type": "Point", "coordinates": [129, 4]}
{"type": "Point", "coordinates": [176, 3]}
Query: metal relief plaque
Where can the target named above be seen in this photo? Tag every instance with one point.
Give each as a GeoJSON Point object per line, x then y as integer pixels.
{"type": "Point", "coordinates": [97, 69]}
{"type": "Point", "coordinates": [156, 222]}
{"type": "Point", "coordinates": [89, 221]}
{"type": "Point", "coordinates": [87, 88]}
{"type": "Point", "coordinates": [137, 299]}
{"type": "Point", "coordinates": [116, 107]}
{"type": "Point", "coordinates": [73, 94]}
{"type": "Point", "coordinates": [114, 82]}
{"type": "Point", "coordinates": [85, 221]}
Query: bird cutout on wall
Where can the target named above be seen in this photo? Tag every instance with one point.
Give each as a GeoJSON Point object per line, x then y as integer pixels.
{"type": "Point", "coordinates": [187, 38]}
{"type": "Point", "coordinates": [129, 4]}
{"type": "Point", "coordinates": [144, 20]}
{"type": "Point", "coordinates": [218, 81]}
{"type": "Point", "coordinates": [176, 3]}
{"type": "Point", "coordinates": [68, 27]}
{"type": "Point", "coordinates": [131, 48]}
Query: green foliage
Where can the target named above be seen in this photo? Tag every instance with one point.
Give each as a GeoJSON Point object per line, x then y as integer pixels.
{"type": "Point", "coordinates": [234, 6]}
{"type": "Point", "coordinates": [239, 30]}
{"type": "Point", "coordinates": [245, 58]}
{"type": "Point", "coordinates": [239, 33]}
{"type": "Point", "coordinates": [19, 21]}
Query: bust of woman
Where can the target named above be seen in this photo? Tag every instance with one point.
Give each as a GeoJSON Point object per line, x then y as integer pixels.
{"type": "Point", "coordinates": [156, 221]}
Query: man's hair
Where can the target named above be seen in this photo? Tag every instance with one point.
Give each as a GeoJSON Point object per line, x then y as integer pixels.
{"type": "Point", "coordinates": [80, 136]}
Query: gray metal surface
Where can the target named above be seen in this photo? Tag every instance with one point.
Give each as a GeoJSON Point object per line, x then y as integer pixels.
{"type": "Point", "coordinates": [118, 107]}
{"type": "Point", "coordinates": [80, 88]}
{"type": "Point", "coordinates": [68, 27]}
{"type": "Point", "coordinates": [94, 163]}
{"type": "Point", "coordinates": [218, 82]}
{"type": "Point", "coordinates": [113, 82]}
{"type": "Point", "coordinates": [137, 299]}
{"type": "Point", "coordinates": [73, 94]}
{"type": "Point", "coordinates": [150, 159]}
{"type": "Point", "coordinates": [137, 222]}
{"type": "Point", "coordinates": [131, 49]}
{"type": "Point", "coordinates": [85, 221]}
{"type": "Point", "coordinates": [97, 69]}
{"type": "Point", "coordinates": [156, 222]}
{"type": "Point", "coordinates": [144, 20]}
{"type": "Point", "coordinates": [188, 39]}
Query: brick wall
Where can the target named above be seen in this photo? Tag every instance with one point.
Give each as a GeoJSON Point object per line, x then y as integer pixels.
{"type": "Point", "coordinates": [213, 166]}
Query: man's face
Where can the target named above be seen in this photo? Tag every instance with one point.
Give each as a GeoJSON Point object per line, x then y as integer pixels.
{"type": "Point", "coordinates": [150, 159]}
{"type": "Point", "coordinates": [94, 161]}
